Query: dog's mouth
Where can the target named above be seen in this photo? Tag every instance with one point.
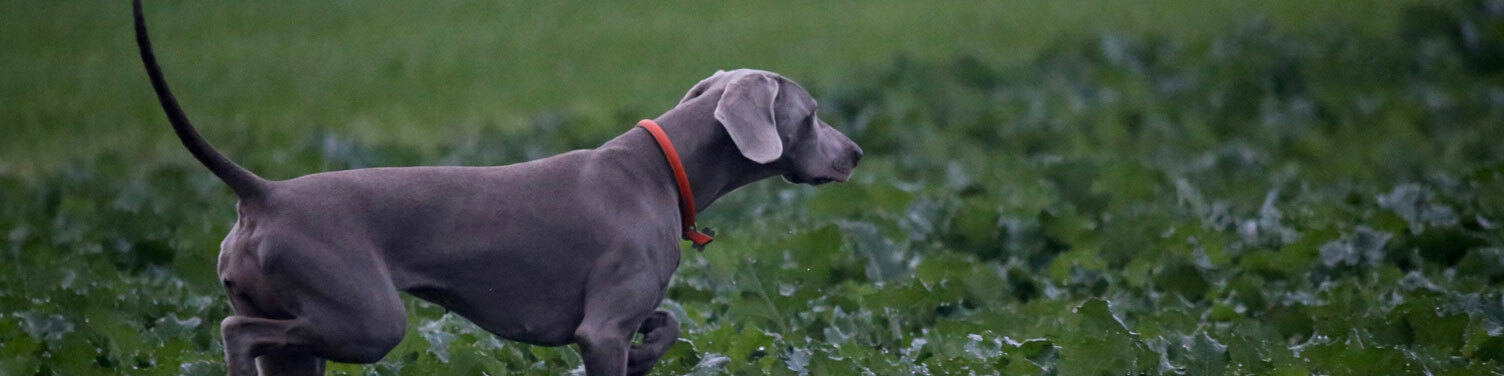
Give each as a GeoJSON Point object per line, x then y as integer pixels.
{"type": "Point", "coordinates": [818, 180]}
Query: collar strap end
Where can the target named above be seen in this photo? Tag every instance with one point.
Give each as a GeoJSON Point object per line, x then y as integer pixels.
{"type": "Point", "coordinates": [698, 239]}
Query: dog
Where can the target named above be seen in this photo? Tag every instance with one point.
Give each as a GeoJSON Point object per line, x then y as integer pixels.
{"type": "Point", "coordinates": [574, 248]}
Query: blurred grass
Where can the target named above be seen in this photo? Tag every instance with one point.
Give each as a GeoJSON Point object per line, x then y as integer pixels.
{"type": "Point", "coordinates": [421, 73]}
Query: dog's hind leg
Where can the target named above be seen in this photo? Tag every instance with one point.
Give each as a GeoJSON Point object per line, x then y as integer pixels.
{"type": "Point", "coordinates": [290, 364]}
{"type": "Point", "coordinates": [247, 338]}
{"type": "Point", "coordinates": [325, 328]}
{"type": "Point", "coordinates": [659, 332]}
{"type": "Point", "coordinates": [291, 315]}
{"type": "Point", "coordinates": [295, 346]}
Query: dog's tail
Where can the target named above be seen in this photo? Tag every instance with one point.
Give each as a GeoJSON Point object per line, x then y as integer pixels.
{"type": "Point", "coordinates": [242, 181]}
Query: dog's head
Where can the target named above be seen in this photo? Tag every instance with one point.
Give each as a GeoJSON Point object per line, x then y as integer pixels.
{"type": "Point", "coordinates": [773, 121]}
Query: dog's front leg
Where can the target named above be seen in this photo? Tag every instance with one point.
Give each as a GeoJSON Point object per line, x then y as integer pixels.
{"type": "Point", "coordinates": [614, 310]}
{"type": "Point", "coordinates": [659, 332]}
{"type": "Point", "coordinates": [604, 347]}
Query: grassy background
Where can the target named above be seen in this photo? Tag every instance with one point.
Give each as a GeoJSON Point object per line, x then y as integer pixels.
{"type": "Point", "coordinates": [1265, 187]}
{"type": "Point", "coordinates": [433, 72]}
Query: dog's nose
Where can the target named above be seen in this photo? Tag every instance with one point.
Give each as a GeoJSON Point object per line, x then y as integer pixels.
{"type": "Point", "coordinates": [856, 155]}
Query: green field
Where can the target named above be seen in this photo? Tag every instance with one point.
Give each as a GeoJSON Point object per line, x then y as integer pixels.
{"type": "Point", "coordinates": [431, 73]}
{"type": "Point", "coordinates": [1069, 188]}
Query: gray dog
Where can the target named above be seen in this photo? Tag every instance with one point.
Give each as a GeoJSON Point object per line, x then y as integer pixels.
{"type": "Point", "coordinates": [574, 248]}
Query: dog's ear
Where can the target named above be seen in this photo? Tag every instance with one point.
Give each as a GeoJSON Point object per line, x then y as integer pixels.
{"type": "Point", "coordinates": [701, 87]}
{"type": "Point", "coordinates": [746, 110]}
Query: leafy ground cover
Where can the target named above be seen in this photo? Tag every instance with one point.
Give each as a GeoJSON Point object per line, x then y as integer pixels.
{"type": "Point", "coordinates": [1260, 201]}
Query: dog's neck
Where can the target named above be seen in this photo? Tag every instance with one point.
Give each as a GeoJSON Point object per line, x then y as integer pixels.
{"type": "Point", "coordinates": [713, 163]}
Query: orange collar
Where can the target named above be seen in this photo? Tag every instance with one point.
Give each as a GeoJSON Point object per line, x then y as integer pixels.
{"type": "Point", "coordinates": [686, 197]}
